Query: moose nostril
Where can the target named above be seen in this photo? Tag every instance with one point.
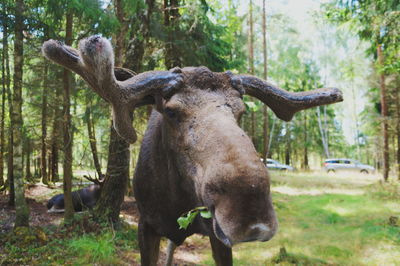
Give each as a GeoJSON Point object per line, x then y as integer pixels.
{"type": "Point", "coordinates": [260, 227]}
{"type": "Point", "coordinates": [260, 231]}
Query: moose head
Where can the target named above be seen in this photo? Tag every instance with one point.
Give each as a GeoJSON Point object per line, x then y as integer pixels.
{"type": "Point", "coordinates": [194, 153]}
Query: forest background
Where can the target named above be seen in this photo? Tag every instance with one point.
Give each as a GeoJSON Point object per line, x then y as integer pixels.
{"type": "Point", "coordinates": [53, 127]}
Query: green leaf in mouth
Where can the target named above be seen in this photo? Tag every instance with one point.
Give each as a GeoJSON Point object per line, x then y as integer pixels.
{"type": "Point", "coordinates": [187, 218]}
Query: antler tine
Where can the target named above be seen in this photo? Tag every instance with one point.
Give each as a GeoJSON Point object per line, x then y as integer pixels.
{"type": "Point", "coordinates": [94, 62]}
{"type": "Point", "coordinates": [96, 181]}
{"type": "Point", "coordinates": [283, 103]}
{"type": "Point", "coordinates": [62, 55]}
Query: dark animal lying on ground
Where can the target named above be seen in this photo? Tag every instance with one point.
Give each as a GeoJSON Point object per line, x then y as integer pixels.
{"type": "Point", "coordinates": [82, 199]}
{"type": "Point", "coordinates": [193, 153]}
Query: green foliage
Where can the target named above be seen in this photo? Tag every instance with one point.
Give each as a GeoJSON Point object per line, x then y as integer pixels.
{"type": "Point", "coordinates": [94, 249]}
{"type": "Point", "coordinates": [186, 219]}
{"type": "Point", "coordinates": [68, 245]}
{"type": "Point", "coordinates": [250, 105]}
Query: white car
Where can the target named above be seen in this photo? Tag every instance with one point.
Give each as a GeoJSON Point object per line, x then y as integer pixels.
{"type": "Point", "coordinates": [275, 165]}
{"type": "Point", "coordinates": [347, 165]}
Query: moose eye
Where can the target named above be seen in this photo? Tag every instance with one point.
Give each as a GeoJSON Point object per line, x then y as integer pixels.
{"type": "Point", "coordinates": [170, 113]}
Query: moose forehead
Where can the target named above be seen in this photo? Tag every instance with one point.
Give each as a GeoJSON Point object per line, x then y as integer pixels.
{"type": "Point", "coordinates": [204, 79]}
{"type": "Point", "coordinates": [204, 89]}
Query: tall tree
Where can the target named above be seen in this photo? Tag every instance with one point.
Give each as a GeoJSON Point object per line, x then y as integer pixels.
{"type": "Point", "coordinates": [92, 138]}
{"type": "Point", "coordinates": [67, 126]}
{"type": "Point", "coordinates": [305, 165]}
{"type": "Point", "coordinates": [43, 159]}
{"type": "Point", "coordinates": [28, 151]}
{"type": "Point", "coordinates": [22, 211]}
{"type": "Point", "coordinates": [117, 173]}
{"type": "Point", "coordinates": [171, 22]}
{"type": "Point", "coordinates": [140, 33]}
{"type": "Point", "coordinates": [5, 82]}
{"type": "Point", "coordinates": [10, 179]}
{"type": "Point", "coordinates": [114, 187]}
{"type": "Point", "coordinates": [251, 66]}
{"type": "Point", "coordinates": [265, 76]}
{"type": "Point", "coordinates": [55, 136]}
{"type": "Point", "coordinates": [398, 128]}
{"type": "Point", "coordinates": [119, 6]}
{"type": "Point", "coordinates": [384, 113]}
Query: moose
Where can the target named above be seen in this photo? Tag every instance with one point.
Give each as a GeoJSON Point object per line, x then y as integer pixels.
{"type": "Point", "coordinates": [193, 152]}
{"type": "Point", "coordinates": [82, 199]}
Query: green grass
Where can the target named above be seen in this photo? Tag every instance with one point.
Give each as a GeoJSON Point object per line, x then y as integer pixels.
{"type": "Point", "coordinates": [325, 220]}
{"type": "Point", "coordinates": [70, 246]}
{"type": "Point", "coordinates": [93, 249]}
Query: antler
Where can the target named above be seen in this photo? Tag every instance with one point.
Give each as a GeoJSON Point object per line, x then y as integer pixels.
{"type": "Point", "coordinates": [94, 62]}
{"type": "Point", "coordinates": [285, 104]}
{"type": "Point", "coordinates": [97, 181]}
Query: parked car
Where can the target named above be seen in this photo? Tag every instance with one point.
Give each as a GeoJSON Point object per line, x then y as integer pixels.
{"type": "Point", "coordinates": [275, 165]}
{"type": "Point", "coordinates": [347, 165]}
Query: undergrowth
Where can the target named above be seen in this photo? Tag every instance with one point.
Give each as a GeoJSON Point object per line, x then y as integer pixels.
{"type": "Point", "coordinates": [82, 242]}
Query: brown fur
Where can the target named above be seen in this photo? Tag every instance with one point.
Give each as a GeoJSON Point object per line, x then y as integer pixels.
{"type": "Point", "coordinates": [193, 153]}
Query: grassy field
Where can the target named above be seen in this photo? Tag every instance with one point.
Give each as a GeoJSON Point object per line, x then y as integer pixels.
{"type": "Point", "coordinates": [324, 220]}
{"type": "Point", "coordinates": [329, 220]}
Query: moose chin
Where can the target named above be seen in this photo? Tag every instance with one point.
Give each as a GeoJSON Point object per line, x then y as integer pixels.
{"type": "Point", "coordinates": [193, 153]}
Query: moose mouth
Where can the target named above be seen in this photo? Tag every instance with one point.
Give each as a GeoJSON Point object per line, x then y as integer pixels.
{"type": "Point", "coordinates": [220, 234]}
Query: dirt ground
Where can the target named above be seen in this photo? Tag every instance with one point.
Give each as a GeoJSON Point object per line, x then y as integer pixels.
{"type": "Point", "coordinates": [37, 196]}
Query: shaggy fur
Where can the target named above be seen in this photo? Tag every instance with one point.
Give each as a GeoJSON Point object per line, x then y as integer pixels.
{"type": "Point", "coordinates": [193, 153]}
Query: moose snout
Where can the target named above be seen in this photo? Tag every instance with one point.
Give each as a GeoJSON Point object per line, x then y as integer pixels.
{"type": "Point", "coordinates": [260, 232]}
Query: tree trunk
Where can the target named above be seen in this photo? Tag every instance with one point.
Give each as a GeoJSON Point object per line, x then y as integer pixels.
{"type": "Point", "coordinates": [92, 140]}
{"type": "Point", "coordinates": [398, 131]}
{"type": "Point", "coordinates": [55, 137]}
{"type": "Point", "coordinates": [138, 38]}
{"type": "Point", "coordinates": [43, 160]}
{"type": "Point", "coordinates": [5, 82]}
{"type": "Point", "coordinates": [121, 32]}
{"type": "Point", "coordinates": [54, 148]}
{"type": "Point", "coordinates": [271, 135]}
{"type": "Point", "coordinates": [323, 134]}
{"type": "Point", "coordinates": [117, 175]}
{"type": "Point", "coordinates": [171, 22]}
{"type": "Point", "coordinates": [10, 179]}
{"type": "Point", "coordinates": [384, 113]}
{"type": "Point", "coordinates": [112, 195]}
{"type": "Point", "coordinates": [251, 39]}
{"type": "Point", "coordinates": [265, 110]}
{"type": "Point", "coordinates": [305, 165]}
{"type": "Point", "coordinates": [22, 211]}
{"type": "Point", "coordinates": [287, 147]}
{"type": "Point", "coordinates": [251, 68]}
{"type": "Point", "coordinates": [10, 148]}
{"type": "Point", "coordinates": [28, 173]}
{"type": "Point", "coordinates": [67, 127]}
